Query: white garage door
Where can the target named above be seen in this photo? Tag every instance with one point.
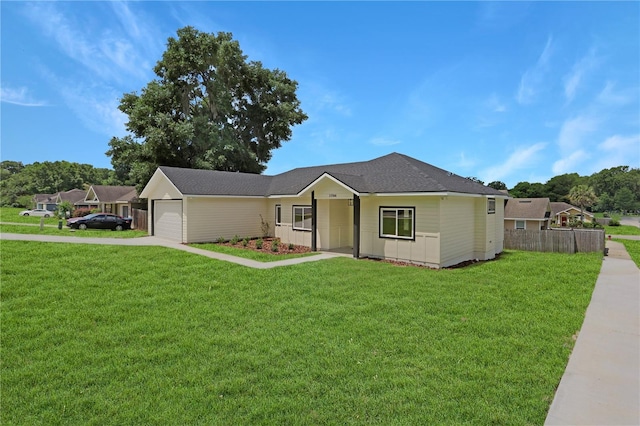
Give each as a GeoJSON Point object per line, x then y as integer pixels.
{"type": "Point", "coordinates": [167, 219]}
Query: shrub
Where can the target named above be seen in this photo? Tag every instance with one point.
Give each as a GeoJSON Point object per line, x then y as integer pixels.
{"type": "Point", "coordinates": [614, 222]}
{"type": "Point", "coordinates": [291, 246]}
{"type": "Point", "coordinates": [95, 211]}
{"type": "Point", "coordinates": [259, 244]}
{"type": "Point", "coordinates": [81, 212]}
{"type": "Point", "coordinates": [264, 227]}
{"type": "Point", "coordinates": [274, 245]}
{"type": "Point", "coordinates": [234, 240]}
{"type": "Point", "coordinates": [220, 240]}
{"type": "Point", "coordinates": [245, 241]}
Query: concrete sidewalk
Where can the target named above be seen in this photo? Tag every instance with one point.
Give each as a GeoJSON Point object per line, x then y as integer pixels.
{"type": "Point", "coordinates": [601, 384]}
{"type": "Point", "coordinates": [155, 241]}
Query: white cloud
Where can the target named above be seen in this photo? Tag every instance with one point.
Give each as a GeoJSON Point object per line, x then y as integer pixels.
{"type": "Point", "coordinates": [105, 54]}
{"type": "Point", "coordinates": [568, 163]}
{"type": "Point", "coordinates": [573, 131]}
{"type": "Point", "coordinates": [522, 158]}
{"type": "Point", "coordinates": [464, 162]}
{"type": "Point", "coordinates": [96, 108]}
{"type": "Point", "coordinates": [495, 104]}
{"type": "Point", "coordinates": [612, 97]}
{"type": "Point", "coordinates": [19, 96]}
{"type": "Point", "coordinates": [531, 80]}
{"type": "Point", "coordinates": [334, 102]}
{"type": "Point", "coordinates": [619, 150]}
{"type": "Point", "coordinates": [383, 142]}
{"type": "Point", "coordinates": [573, 143]}
{"type": "Point", "coordinates": [573, 80]}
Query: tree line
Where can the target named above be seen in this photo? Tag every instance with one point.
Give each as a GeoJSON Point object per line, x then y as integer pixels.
{"type": "Point", "coordinates": [617, 188]}
{"type": "Point", "coordinates": [19, 182]}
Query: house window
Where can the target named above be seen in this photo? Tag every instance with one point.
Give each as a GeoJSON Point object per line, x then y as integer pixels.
{"type": "Point", "coordinates": [302, 218]}
{"type": "Point", "coordinates": [278, 214]}
{"type": "Point", "coordinates": [397, 222]}
{"type": "Point", "coordinates": [520, 224]}
{"type": "Point", "coordinates": [491, 206]}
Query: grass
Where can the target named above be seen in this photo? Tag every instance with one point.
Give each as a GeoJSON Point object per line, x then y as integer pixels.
{"type": "Point", "coordinates": [633, 248]}
{"type": "Point", "coordinates": [250, 254]}
{"type": "Point", "coordinates": [622, 230]}
{"type": "Point", "coordinates": [68, 232]}
{"type": "Point", "coordinates": [26, 225]}
{"type": "Point", "coordinates": [168, 337]}
{"type": "Point", "coordinates": [10, 214]}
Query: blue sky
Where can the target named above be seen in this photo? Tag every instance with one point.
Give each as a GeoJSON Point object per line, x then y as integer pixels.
{"type": "Point", "coordinates": [508, 91]}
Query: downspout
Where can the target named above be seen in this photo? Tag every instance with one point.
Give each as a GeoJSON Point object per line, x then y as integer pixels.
{"type": "Point", "coordinates": [313, 222]}
{"type": "Point", "coordinates": [356, 226]}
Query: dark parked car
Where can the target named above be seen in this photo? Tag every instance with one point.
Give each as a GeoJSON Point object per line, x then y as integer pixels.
{"type": "Point", "coordinates": [100, 221]}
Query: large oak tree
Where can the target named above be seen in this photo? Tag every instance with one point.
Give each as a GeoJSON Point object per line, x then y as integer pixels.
{"type": "Point", "coordinates": [209, 108]}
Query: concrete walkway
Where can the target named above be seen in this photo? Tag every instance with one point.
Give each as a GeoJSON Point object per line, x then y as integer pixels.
{"type": "Point", "coordinates": [155, 241]}
{"type": "Point", "coordinates": [601, 384]}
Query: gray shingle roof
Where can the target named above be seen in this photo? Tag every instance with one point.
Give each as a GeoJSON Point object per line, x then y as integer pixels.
{"type": "Point", "coordinates": [214, 182]}
{"type": "Point", "coordinates": [527, 208]}
{"type": "Point", "coordinates": [111, 194]}
{"type": "Point", "coordinates": [73, 195]}
{"type": "Point", "coordinates": [392, 173]}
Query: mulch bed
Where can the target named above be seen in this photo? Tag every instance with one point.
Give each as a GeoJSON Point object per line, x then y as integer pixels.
{"type": "Point", "coordinates": [267, 246]}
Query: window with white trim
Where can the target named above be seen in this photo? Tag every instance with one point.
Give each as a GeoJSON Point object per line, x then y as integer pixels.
{"type": "Point", "coordinates": [302, 218]}
{"type": "Point", "coordinates": [491, 206]}
{"type": "Point", "coordinates": [397, 222]}
{"type": "Point", "coordinates": [278, 220]}
{"type": "Point", "coordinates": [520, 224]}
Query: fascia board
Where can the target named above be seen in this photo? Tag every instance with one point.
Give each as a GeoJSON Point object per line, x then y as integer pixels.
{"type": "Point", "coordinates": [223, 196]}
{"type": "Point", "coordinates": [153, 182]}
{"type": "Point", "coordinates": [323, 176]}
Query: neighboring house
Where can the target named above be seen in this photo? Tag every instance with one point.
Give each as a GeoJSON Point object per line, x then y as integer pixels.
{"type": "Point", "coordinates": [72, 196]}
{"type": "Point", "coordinates": [111, 199]}
{"type": "Point", "coordinates": [527, 213]}
{"type": "Point", "coordinates": [564, 214]}
{"type": "Point", "coordinates": [393, 207]}
{"type": "Point", "coordinates": [50, 201]}
{"type": "Point", "coordinates": [45, 201]}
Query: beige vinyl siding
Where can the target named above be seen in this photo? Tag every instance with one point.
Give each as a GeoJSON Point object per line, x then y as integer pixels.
{"type": "Point", "coordinates": [165, 190]}
{"type": "Point", "coordinates": [485, 230]}
{"type": "Point", "coordinates": [425, 249]}
{"type": "Point", "coordinates": [208, 219]}
{"type": "Point", "coordinates": [499, 225]}
{"type": "Point", "coordinates": [457, 229]}
{"type": "Point", "coordinates": [285, 231]}
{"type": "Point", "coordinates": [327, 188]}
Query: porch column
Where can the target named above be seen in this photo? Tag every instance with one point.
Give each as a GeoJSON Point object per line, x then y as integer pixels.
{"type": "Point", "coordinates": [314, 227]}
{"type": "Point", "coordinates": [356, 226]}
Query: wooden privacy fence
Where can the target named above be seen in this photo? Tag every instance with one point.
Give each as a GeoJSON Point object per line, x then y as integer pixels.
{"type": "Point", "coordinates": [561, 241]}
{"type": "Point", "coordinates": [140, 218]}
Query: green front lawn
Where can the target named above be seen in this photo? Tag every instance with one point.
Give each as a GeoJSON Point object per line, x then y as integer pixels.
{"type": "Point", "coordinates": [68, 232]}
{"type": "Point", "coordinates": [622, 230]}
{"type": "Point", "coordinates": [11, 214]}
{"type": "Point", "coordinates": [633, 248]}
{"type": "Point", "coordinates": [150, 335]}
